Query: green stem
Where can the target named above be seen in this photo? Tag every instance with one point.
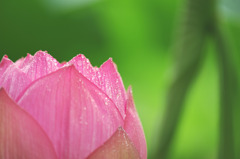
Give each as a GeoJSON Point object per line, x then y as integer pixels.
{"type": "Point", "coordinates": [228, 85]}
{"type": "Point", "coordinates": [189, 50]}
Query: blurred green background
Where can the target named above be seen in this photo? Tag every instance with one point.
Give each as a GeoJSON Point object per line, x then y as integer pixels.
{"type": "Point", "coordinates": [140, 36]}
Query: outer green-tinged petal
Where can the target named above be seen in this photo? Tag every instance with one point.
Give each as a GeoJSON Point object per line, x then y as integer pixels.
{"type": "Point", "coordinates": [118, 146]}
{"type": "Point", "coordinates": [21, 137]}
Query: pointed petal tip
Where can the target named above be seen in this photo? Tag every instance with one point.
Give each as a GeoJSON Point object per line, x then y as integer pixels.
{"type": "Point", "coordinates": [4, 64]}
{"type": "Point", "coordinates": [44, 54]}
{"type": "Point", "coordinates": [118, 146]}
{"type": "Point", "coordinates": [110, 65]}
{"type": "Point", "coordinates": [129, 90]}
{"type": "Point", "coordinates": [81, 63]}
{"type": "Point", "coordinates": [28, 55]}
{"type": "Point", "coordinates": [80, 57]}
{"type": "Point", "coordinates": [41, 53]}
{"type": "Point", "coordinates": [109, 62]}
{"type": "Point", "coordinates": [110, 59]}
{"type": "Point", "coordinates": [5, 58]}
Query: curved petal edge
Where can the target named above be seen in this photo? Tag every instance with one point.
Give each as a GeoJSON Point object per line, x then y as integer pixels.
{"type": "Point", "coordinates": [133, 126]}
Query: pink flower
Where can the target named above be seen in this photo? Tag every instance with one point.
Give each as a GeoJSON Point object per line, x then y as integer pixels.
{"type": "Point", "coordinates": [72, 110]}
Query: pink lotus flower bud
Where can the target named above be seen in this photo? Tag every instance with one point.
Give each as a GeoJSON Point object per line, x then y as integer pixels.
{"type": "Point", "coordinates": [70, 110]}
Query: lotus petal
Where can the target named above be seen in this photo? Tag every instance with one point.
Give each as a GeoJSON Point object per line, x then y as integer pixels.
{"type": "Point", "coordinates": [106, 78]}
{"type": "Point", "coordinates": [20, 135]}
{"type": "Point", "coordinates": [77, 116]}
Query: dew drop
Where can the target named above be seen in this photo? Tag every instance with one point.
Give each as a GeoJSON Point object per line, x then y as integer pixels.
{"type": "Point", "coordinates": [106, 101]}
